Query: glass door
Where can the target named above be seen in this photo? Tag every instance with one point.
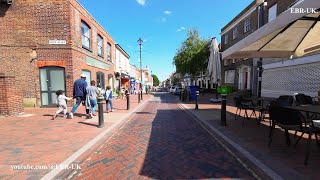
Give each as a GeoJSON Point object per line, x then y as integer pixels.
{"type": "Point", "coordinates": [51, 80]}
{"type": "Point", "coordinates": [100, 80]}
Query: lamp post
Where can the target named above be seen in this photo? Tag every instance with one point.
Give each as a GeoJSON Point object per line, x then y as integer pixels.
{"type": "Point", "coordinates": [140, 41]}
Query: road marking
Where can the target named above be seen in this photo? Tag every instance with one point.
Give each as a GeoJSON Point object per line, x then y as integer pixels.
{"type": "Point", "coordinates": [77, 154]}
{"type": "Point", "coordinates": [263, 167]}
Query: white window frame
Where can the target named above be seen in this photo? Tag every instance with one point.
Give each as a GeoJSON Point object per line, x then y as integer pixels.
{"type": "Point", "coordinates": [100, 45]}
{"type": "Point", "coordinates": [247, 25]}
{"type": "Point", "coordinates": [272, 12]}
{"type": "Point", "coordinates": [109, 47]}
{"type": "Point", "coordinates": [226, 38]}
{"type": "Point", "coordinates": [235, 33]}
{"type": "Point", "coordinates": [229, 76]}
{"type": "Point", "coordinates": [86, 35]}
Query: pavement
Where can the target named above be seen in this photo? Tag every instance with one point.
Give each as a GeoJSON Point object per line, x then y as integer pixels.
{"type": "Point", "coordinates": [250, 142]}
{"type": "Point", "coordinates": [161, 141]}
{"type": "Point", "coordinates": [33, 139]}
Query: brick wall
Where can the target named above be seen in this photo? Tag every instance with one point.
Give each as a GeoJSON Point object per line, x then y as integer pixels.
{"type": "Point", "coordinates": [10, 96]}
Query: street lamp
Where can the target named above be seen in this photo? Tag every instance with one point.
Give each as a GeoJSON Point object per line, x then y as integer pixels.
{"type": "Point", "coordinates": [140, 41]}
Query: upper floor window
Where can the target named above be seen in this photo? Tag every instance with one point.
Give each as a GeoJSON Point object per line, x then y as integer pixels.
{"type": "Point", "coordinates": [86, 34]}
{"type": "Point", "coordinates": [247, 25]}
{"type": "Point", "coordinates": [100, 46]}
{"type": "Point", "coordinates": [235, 32]}
{"type": "Point", "coordinates": [272, 13]}
{"type": "Point", "coordinates": [109, 52]}
{"type": "Point", "coordinates": [226, 37]}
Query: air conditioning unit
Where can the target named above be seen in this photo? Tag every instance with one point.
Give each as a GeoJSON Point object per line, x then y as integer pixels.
{"type": "Point", "coordinates": [8, 1]}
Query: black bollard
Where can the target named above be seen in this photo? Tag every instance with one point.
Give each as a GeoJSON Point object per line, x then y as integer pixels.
{"type": "Point", "coordinates": [197, 94]}
{"type": "Point", "coordinates": [223, 109]}
{"type": "Point", "coordinates": [100, 108]}
{"type": "Point", "coordinates": [138, 97]}
{"type": "Point", "coordinates": [141, 95]}
{"type": "Point", "coordinates": [128, 101]}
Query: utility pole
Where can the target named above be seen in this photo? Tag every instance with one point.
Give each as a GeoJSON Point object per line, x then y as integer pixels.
{"type": "Point", "coordinates": [140, 41]}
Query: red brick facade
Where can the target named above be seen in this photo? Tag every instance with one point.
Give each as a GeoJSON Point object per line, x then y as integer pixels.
{"type": "Point", "coordinates": [27, 26]}
{"type": "Point", "coordinates": [10, 96]}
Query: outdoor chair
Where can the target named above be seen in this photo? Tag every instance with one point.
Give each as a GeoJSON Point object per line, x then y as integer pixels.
{"type": "Point", "coordinates": [237, 103]}
{"type": "Point", "coordinates": [245, 104]}
{"type": "Point", "coordinates": [301, 100]}
{"type": "Point", "coordinates": [291, 119]}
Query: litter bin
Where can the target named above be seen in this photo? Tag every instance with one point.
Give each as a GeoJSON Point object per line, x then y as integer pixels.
{"type": "Point", "coordinates": [193, 90]}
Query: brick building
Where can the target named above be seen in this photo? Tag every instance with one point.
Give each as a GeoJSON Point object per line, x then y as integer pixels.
{"type": "Point", "coordinates": [284, 42]}
{"type": "Point", "coordinates": [46, 45]}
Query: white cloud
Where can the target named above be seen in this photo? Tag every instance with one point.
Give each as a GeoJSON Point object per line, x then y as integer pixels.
{"type": "Point", "coordinates": [141, 2]}
{"type": "Point", "coordinates": [181, 29]}
{"type": "Point", "coordinates": [167, 12]}
{"type": "Point", "coordinates": [163, 19]}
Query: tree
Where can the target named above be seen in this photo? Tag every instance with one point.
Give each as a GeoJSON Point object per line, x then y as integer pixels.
{"type": "Point", "coordinates": [156, 81]}
{"type": "Point", "coordinates": [192, 56]}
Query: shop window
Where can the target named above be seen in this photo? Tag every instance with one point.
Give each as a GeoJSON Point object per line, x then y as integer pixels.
{"type": "Point", "coordinates": [88, 75]}
{"type": "Point", "coordinates": [100, 80]}
{"type": "Point", "coordinates": [86, 34]}
{"type": "Point", "coordinates": [100, 46]}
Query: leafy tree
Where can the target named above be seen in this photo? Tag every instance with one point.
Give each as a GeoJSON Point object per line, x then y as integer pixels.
{"type": "Point", "coordinates": [156, 81]}
{"type": "Point", "coordinates": [192, 56]}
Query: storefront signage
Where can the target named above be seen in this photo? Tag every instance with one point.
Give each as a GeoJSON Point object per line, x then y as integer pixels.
{"type": "Point", "coordinates": [57, 42]}
{"type": "Point", "coordinates": [96, 63]}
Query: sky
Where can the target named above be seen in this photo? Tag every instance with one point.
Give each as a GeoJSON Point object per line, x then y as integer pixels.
{"type": "Point", "coordinates": [162, 24]}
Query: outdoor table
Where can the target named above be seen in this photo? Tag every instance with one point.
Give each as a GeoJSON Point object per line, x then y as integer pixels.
{"type": "Point", "coordinates": [310, 109]}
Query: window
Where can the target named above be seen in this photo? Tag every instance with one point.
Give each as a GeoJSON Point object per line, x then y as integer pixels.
{"type": "Point", "coordinates": [100, 80]}
{"type": "Point", "coordinates": [109, 52]}
{"type": "Point", "coordinates": [235, 33]}
{"type": "Point", "coordinates": [247, 25]}
{"type": "Point", "coordinates": [226, 39]}
{"type": "Point", "coordinates": [229, 76]}
{"type": "Point", "coordinates": [100, 46]}
{"type": "Point", "coordinates": [86, 34]}
{"type": "Point", "coordinates": [88, 75]}
{"type": "Point", "coordinates": [272, 13]}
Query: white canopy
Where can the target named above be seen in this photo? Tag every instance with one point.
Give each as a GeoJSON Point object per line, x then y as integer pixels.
{"type": "Point", "coordinates": [214, 66]}
{"type": "Point", "coordinates": [289, 34]}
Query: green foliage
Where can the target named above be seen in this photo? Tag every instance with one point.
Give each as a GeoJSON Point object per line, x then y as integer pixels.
{"type": "Point", "coordinates": [156, 81]}
{"type": "Point", "coordinates": [192, 56]}
{"type": "Point", "coordinates": [175, 81]}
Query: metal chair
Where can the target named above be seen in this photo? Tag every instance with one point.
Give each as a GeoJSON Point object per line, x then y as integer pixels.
{"type": "Point", "coordinates": [291, 119]}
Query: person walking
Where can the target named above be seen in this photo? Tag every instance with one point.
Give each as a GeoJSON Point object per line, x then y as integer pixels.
{"type": "Point", "coordinates": [108, 97]}
{"type": "Point", "coordinates": [79, 93]}
{"type": "Point", "coordinates": [92, 93]}
{"type": "Point", "coordinates": [61, 103]}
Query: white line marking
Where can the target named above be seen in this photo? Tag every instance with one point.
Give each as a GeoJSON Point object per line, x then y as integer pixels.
{"type": "Point", "coordinates": [77, 154]}
{"type": "Point", "coordinates": [266, 169]}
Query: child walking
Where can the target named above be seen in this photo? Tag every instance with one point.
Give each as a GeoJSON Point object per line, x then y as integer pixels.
{"type": "Point", "coordinates": [62, 104]}
{"type": "Point", "coordinates": [108, 97]}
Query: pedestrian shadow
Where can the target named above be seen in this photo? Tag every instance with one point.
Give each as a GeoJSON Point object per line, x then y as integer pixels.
{"type": "Point", "coordinates": [89, 124]}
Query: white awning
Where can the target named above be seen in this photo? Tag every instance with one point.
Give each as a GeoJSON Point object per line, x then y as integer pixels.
{"type": "Point", "coordinates": [289, 34]}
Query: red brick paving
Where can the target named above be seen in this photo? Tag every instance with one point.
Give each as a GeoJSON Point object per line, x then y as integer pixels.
{"type": "Point", "coordinates": [161, 142]}
{"type": "Point", "coordinates": [35, 139]}
{"type": "Point", "coordinates": [286, 161]}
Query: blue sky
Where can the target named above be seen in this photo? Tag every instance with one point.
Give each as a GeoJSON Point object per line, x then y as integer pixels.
{"type": "Point", "coordinates": [162, 24]}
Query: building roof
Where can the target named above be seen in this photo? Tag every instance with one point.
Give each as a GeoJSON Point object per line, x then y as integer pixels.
{"type": "Point", "coordinates": [122, 50]}
{"type": "Point", "coordinates": [239, 15]}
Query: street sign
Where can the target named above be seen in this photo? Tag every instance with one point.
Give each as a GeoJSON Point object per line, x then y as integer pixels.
{"type": "Point", "coordinates": [57, 42]}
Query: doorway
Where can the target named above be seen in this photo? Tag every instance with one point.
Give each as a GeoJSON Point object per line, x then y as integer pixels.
{"type": "Point", "coordinates": [100, 80]}
{"type": "Point", "coordinates": [51, 80]}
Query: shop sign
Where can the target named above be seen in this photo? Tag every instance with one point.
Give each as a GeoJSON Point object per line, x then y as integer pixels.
{"type": "Point", "coordinates": [57, 42]}
{"type": "Point", "coordinates": [96, 63]}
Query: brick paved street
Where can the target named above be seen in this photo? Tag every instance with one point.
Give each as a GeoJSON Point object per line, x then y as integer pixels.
{"type": "Point", "coordinates": [163, 142]}
{"type": "Point", "coordinates": [34, 139]}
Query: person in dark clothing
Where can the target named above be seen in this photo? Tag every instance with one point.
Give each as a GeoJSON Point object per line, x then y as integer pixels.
{"type": "Point", "coordinates": [79, 92]}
